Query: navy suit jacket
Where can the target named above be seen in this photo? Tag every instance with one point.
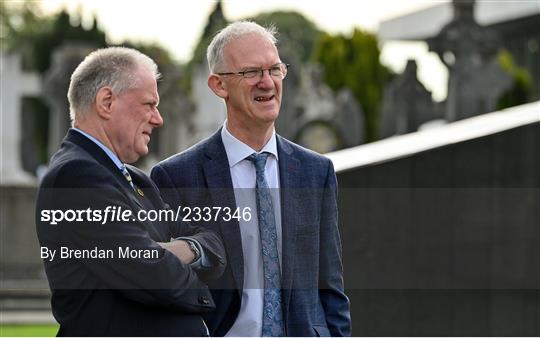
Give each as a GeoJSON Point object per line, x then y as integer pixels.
{"type": "Point", "coordinates": [314, 303]}
{"type": "Point", "coordinates": [118, 297]}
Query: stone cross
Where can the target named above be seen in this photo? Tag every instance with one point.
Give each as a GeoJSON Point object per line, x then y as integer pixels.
{"type": "Point", "coordinates": [469, 51]}
{"type": "Point", "coordinates": [15, 84]}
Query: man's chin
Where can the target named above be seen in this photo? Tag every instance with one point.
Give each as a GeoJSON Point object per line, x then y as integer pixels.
{"type": "Point", "coordinates": [135, 156]}
{"type": "Point", "coordinates": [269, 115]}
{"type": "Point", "coordinates": [273, 117]}
{"type": "Point", "coordinates": [141, 154]}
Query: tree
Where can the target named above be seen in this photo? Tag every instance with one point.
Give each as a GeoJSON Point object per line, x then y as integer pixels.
{"type": "Point", "coordinates": [353, 62]}
{"type": "Point", "coordinates": [34, 35]}
{"type": "Point", "coordinates": [296, 36]}
{"type": "Point", "coordinates": [22, 26]}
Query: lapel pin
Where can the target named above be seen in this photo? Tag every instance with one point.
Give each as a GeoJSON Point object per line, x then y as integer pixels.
{"type": "Point", "coordinates": [140, 192]}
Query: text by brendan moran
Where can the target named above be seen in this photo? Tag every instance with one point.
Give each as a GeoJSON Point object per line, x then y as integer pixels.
{"type": "Point", "coordinates": [126, 252]}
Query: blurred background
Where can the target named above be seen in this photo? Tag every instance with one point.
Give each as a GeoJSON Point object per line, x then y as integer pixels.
{"type": "Point", "coordinates": [429, 110]}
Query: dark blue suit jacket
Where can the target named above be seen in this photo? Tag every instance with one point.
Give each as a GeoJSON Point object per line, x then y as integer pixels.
{"type": "Point", "coordinates": [118, 297]}
{"type": "Point", "coordinates": [314, 303]}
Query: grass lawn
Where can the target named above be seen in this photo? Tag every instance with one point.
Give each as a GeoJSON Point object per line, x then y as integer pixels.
{"type": "Point", "coordinates": [28, 330]}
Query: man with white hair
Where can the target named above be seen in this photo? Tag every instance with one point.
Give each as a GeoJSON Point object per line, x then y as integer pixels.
{"type": "Point", "coordinates": [112, 272]}
{"type": "Point", "coordinates": [284, 275]}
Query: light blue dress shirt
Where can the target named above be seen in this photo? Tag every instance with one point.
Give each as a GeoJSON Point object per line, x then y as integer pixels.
{"type": "Point", "coordinates": [249, 320]}
{"type": "Point", "coordinates": [202, 261]}
{"type": "Point", "coordinates": [107, 151]}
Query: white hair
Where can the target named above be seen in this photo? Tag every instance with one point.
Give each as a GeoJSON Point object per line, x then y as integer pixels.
{"type": "Point", "coordinates": [114, 67]}
{"type": "Point", "coordinates": [214, 53]}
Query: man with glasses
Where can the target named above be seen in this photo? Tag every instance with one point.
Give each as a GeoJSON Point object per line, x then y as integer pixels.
{"type": "Point", "coordinates": [284, 276]}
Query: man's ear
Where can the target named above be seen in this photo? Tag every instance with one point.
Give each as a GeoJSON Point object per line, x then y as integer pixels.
{"type": "Point", "coordinates": [218, 86]}
{"type": "Point", "coordinates": [104, 101]}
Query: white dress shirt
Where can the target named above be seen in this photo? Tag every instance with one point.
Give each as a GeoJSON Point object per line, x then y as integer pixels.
{"type": "Point", "coordinates": [249, 320]}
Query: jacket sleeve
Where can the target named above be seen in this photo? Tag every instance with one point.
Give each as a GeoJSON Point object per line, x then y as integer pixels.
{"type": "Point", "coordinates": [210, 241]}
{"type": "Point", "coordinates": [331, 290]}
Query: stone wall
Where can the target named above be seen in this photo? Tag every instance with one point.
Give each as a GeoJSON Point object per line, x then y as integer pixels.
{"type": "Point", "coordinates": [19, 245]}
{"type": "Point", "coordinates": [444, 242]}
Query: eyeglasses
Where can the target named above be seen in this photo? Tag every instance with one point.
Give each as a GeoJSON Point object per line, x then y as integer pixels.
{"type": "Point", "coordinates": [254, 75]}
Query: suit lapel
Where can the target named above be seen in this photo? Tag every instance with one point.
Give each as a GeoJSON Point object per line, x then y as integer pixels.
{"type": "Point", "coordinates": [96, 152]}
{"type": "Point", "coordinates": [289, 167]}
{"type": "Point", "coordinates": [218, 179]}
{"type": "Point", "coordinates": [146, 201]}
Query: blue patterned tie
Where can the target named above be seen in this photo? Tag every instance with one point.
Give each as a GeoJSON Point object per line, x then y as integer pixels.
{"type": "Point", "coordinates": [272, 312]}
{"type": "Point", "coordinates": [127, 176]}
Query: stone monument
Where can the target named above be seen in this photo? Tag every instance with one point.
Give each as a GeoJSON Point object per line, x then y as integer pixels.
{"type": "Point", "coordinates": [469, 51]}
{"type": "Point", "coordinates": [287, 122]}
{"type": "Point", "coordinates": [177, 111]}
{"type": "Point", "coordinates": [56, 83]}
{"type": "Point", "coordinates": [349, 118]}
{"type": "Point", "coordinates": [210, 110]}
{"type": "Point", "coordinates": [326, 121]}
{"type": "Point", "coordinates": [15, 85]}
{"type": "Point", "coordinates": [407, 104]}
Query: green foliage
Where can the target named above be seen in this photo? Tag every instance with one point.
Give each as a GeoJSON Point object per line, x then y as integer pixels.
{"type": "Point", "coordinates": [297, 35]}
{"type": "Point", "coordinates": [159, 54]}
{"type": "Point", "coordinates": [522, 87]}
{"type": "Point", "coordinates": [353, 62]}
{"type": "Point", "coordinates": [32, 34]}
{"type": "Point", "coordinates": [23, 28]}
{"type": "Point", "coordinates": [28, 330]}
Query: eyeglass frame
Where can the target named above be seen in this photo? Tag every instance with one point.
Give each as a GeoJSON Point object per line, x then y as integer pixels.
{"type": "Point", "coordinates": [260, 72]}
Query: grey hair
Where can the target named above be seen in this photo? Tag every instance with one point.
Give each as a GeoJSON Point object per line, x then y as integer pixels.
{"type": "Point", "coordinates": [114, 67]}
{"type": "Point", "coordinates": [214, 53]}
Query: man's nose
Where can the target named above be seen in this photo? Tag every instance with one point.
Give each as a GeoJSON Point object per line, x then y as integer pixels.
{"type": "Point", "coordinates": [266, 80]}
{"type": "Point", "coordinates": [156, 119]}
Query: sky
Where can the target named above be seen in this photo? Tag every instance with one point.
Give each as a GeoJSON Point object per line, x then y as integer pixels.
{"type": "Point", "coordinates": [177, 24]}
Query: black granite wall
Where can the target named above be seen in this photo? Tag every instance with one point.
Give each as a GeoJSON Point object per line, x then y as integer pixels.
{"type": "Point", "coordinates": [446, 242]}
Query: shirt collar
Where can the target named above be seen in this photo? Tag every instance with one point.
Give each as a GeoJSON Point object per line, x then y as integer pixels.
{"type": "Point", "coordinates": [107, 151]}
{"type": "Point", "coordinates": [237, 150]}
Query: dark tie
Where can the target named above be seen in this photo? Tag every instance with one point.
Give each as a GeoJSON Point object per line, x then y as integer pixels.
{"type": "Point", "coordinates": [272, 311]}
{"type": "Point", "coordinates": [127, 176]}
